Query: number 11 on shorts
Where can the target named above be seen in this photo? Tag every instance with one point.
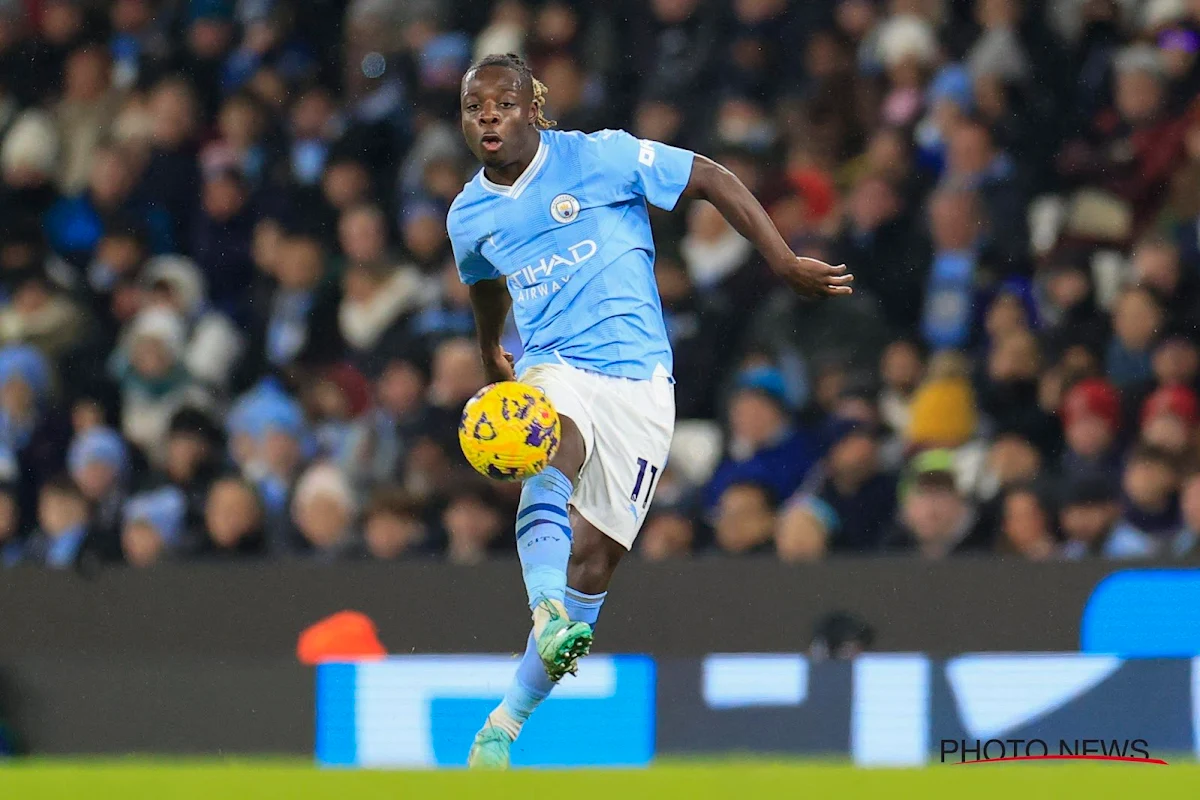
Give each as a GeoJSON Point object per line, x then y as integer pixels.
{"type": "Point", "coordinates": [637, 486]}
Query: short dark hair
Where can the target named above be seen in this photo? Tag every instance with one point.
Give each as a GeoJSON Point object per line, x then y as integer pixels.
{"type": "Point", "coordinates": [62, 484]}
{"type": "Point", "coordinates": [768, 494]}
{"type": "Point", "coordinates": [393, 501]}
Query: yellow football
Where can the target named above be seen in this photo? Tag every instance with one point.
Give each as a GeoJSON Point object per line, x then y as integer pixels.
{"type": "Point", "coordinates": [509, 431]}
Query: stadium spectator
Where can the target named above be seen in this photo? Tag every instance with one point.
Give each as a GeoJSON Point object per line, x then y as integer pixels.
{"type": "Point", "coordinates": [849, 503]}
{"type": "Point", "coordinates": [745, 518]}
{"type": "Point", "coordinates": [667, 534]}
{"type": "Point", "coordinates": [764, 443]}
{"type": "Point", "coordinates": [935, 520]}
{"type": "Point", "coordinates": [392, 526]}
{"type": "Point", "coordinates": [213, 207]}
{"type": "Point", "coordinates": [1090, 516]}
{"type": "Point", "coordinates": [154, 525]}
{"type": "Point", "coordinates": [1151, 483]}
{"type": "Point", "coordinates": [473, 526]}
{"type": "Point", "coordinates": [323, 511]}
{"type": "Point", "coordinates": [1091, 416]}
{"type": "Point", "coordinates": [1027, 525]}
{"type": "Point", "coordinates": [63, 528]}
{"type": "Point", "coordinates": [234, 520]}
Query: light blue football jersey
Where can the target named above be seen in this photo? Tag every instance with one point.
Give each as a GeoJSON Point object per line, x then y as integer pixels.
{"type": "Point", "coordinates": [572, 238]}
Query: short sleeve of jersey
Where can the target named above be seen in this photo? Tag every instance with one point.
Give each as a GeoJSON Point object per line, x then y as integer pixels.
{"type": "Point", "coordinates": [472, 266]}
{"type": "Point", "coordinates": [656, 171]}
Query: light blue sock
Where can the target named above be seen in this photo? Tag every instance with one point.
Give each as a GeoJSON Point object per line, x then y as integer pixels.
{"type": "Point", "coordinates": [544, 534]}
{"type": "Point", "coordinates": [530, 686]}
{"type": "Point", "coordinates": [584, 607]}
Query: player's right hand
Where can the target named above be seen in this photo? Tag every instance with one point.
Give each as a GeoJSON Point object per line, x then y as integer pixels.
{"type": "Point", "coordinates": [499, 366]}
{"type": "Point", "coordinates": [809, 277]}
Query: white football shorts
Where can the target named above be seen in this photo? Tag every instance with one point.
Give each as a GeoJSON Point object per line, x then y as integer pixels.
{"type": "Point", "coordinates": [627, 426]}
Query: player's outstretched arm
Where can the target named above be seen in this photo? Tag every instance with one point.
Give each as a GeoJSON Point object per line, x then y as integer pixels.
{"type": "Point", "coordinates": [808, 276]}
{"type": "Point", "coordinates": [490, 302]}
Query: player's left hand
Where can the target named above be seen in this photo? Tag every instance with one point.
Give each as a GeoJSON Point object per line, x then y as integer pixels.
{"type": "Point", "coordinates": [809, 277]}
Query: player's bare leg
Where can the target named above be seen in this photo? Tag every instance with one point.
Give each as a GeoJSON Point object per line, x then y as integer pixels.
{"type": "Point", "coordinates": [562, 617]}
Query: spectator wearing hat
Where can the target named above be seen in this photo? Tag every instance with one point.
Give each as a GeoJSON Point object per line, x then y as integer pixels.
{"type": "Point", "coordinates": [1168, 420]}
{"type": "Point", "coordinates": [154, 526]}
{"type": "Point", "coordinates": [324, 511]}
{"type": "Point", "coordinates": [28, 163]}
{"type": "Point", "coordinates": [1091, 416]}
{"type": "Point", "coordinates": [213, 344]}
{"type": "Point", "coordinates": [149, 366]}
{"type": "Point", "coordinates": [99, 465]}
{"type": "Point", "coordinates": [1090, 516]}
{"type": "Point", "coordinates": [270, 441]}
{"type": "Point", "coordinates": [907, 49]}
{"type": "Point", "coordinates": [337, 399]}
{"type": "Point", "coordinates": [943, 415]}
{"type": "Point", "coordinates": [764, 444]}
{"type": "Point", "coordinates": [848, 504]}
{"type": "Point", "coordinates": [63, 529]}
{"type": "Point", "coordinates": [935, 519]}
{"type": "Point", "coordinates": [25, 388]}
{"type": "Point", "coordinates": [193, 451]}
{"type": "Point", "coordinates": [950, 99]}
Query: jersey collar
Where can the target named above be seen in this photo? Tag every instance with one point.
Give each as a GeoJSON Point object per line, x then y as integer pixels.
{"type": "Point", "coordinates": [514, 191]}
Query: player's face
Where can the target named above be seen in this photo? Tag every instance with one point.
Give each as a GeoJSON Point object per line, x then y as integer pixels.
{"type": "Point", "coordinates": [496, 115]}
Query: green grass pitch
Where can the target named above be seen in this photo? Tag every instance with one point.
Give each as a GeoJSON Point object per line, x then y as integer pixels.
{"type": "Point", "coordinates": [222, 780]}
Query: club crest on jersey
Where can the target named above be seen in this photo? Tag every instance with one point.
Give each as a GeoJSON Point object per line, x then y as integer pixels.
{"type": "Point", "coordinates": [564, 209]}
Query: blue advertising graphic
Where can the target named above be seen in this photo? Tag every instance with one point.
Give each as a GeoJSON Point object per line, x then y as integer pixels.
{"type": "Point", "coordinates": [877, 710]}
{"type": "Point", "coordinates": [423, 711]}
{"type": "Point", "coordinates": [1144, 613]}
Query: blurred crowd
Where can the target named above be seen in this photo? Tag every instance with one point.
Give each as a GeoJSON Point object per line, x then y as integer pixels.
{"type": "Point", "coordinates": [231, 327]}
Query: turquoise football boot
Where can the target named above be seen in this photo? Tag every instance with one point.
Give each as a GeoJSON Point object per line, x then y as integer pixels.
{"type": "Point", "coordinates": [562, 643]}
{"type": "Point", "coordinates": [491, 749]}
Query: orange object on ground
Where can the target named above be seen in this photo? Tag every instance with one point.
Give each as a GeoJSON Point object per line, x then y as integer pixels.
{"type": "Point", "coordinates": [344, 636]}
